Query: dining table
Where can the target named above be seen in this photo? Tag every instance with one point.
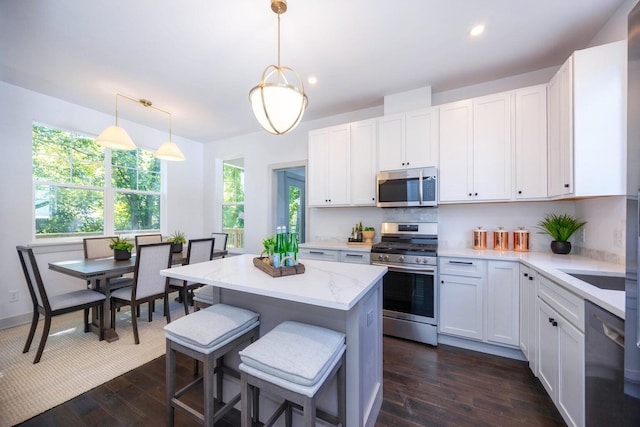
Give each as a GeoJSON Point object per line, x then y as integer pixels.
{"type": "Point", "coordinates": [97, 273]}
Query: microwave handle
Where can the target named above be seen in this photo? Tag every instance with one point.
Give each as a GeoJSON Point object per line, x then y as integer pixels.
{"type": "Point", "coordinates": [420, 187]}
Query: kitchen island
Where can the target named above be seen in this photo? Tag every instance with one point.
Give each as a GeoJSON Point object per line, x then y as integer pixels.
{"type": "Point", "coordinates": [342, 297]}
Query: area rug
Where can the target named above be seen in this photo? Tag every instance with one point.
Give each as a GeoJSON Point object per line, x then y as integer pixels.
{"type": "Point", "coordinates": [73, 362]}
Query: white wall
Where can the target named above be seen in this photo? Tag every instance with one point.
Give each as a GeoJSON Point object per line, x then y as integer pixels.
{"type": "Point", "coordinates": [616, 28]}
{"type": "Point", "coordinates": [183, 187]}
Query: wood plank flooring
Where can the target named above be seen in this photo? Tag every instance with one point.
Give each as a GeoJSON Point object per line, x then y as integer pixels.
{"type": "Point", "coordinates": [423, 386]}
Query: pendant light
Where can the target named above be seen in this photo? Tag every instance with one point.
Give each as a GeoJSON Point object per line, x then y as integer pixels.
{"type": "Point", "coordinates": [116, 138]}
{"type": "Point", "coordinates": [277, 104]}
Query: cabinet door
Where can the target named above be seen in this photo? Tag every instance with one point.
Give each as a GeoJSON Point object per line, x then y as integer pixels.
{"type": "Point", "coordinates": [456, 154]}
{"type": "Point", "coordinates": [391, 139]}
{"type": "Point", "coordinates": [338, 166]}
{"type": "Point", "coordinates": [318, 166]}
{"type": "Point", "coordinates": [363, 163]}
{"type": "Point", "coordinates": [560, 144]}
{"type": "Point", "coordinates": [571, 390]}
{"type": "Point", "coordinates": [421, 132]}
{"type": "Point", "coordinates": [461, 305]}
{"type": "Point", "coordinates": [547, 343]}
{"type": "Point", "coordinates": [503, 302]}
{"type": "Point", "coordinates": [492, 147]}
{"type": "Point", "coordinates": [528, 292]}
{"type": "Point", "coordinates": [531, 143]}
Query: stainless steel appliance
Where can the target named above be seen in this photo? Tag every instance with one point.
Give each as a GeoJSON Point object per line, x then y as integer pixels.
{"type": "Point", "coordinates": [409, 291]}
{"type": "Point", "coordinates": [409, 187]}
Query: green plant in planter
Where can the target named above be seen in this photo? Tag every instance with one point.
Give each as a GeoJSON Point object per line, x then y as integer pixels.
{"type": "Point", "coordinates": [120, 244]}
{"type": "Point", "coordinates": [560, 228]}
{"type": "Point", "coordinates": [369, 229]}
{"type": "Point", "coordinates": [177, 237]}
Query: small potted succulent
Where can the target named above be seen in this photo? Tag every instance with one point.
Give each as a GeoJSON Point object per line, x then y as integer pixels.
{"type": "Point", "coordinates": [121, 248]}
{"type": "Point", "coordinates": [177, 239]}
{"type": "Point", "coordinates": [560, 228]}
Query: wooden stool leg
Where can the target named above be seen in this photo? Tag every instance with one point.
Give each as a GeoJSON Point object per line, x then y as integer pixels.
{"type": "Point", "coordinates": [208, 371]}
{"type": "Point", "coordinates": [245, 405]}
{"type": "Point", "coordinates": [309, 411]}
{"type": "Point", "coordinates": [170, 374]}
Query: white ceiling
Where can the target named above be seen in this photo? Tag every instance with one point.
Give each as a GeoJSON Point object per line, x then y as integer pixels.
{"type": "Point", "coordinates": [199, 58]}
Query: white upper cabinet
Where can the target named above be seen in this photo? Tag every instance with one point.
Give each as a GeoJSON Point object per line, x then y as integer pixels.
{"type": "Point", "coordinates": [329, 158]}
{"type": "Point", "coordinates": [531, 143]}
{"type": "Point", "coordinates": [408, 140]}
{"type": "Point", "coordinates": [475, 150]}
{"type": "Point", "coordinates": [587, 123]}
{"type": "Point", "coordinates": [456, 151]}
{"type": "Point", "coordinates": [363, 162]}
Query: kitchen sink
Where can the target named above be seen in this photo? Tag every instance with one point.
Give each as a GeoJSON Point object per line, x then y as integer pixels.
{"type": "Point", "coordinates": [615, 283]}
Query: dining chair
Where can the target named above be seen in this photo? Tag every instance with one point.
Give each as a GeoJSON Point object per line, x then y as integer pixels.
{"type": "Point", "coordinates": [68, 302]}
{"type": "Point", "coordinates": [220, 242]}
{"type": "Point", "coordinates": [148, 285]}
{"type": "Point", "coordinates": [99, 247]}
{"type": "Point", "coordinates": [198, 250]}
{"type": "Point", "coordinates": [144, 239]}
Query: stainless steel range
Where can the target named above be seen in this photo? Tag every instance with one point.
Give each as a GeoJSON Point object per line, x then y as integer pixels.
{"type": "Point", "coordinates": [410, 295]}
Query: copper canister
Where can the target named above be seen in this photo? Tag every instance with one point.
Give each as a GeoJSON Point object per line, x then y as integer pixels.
{"type": "Point", "coordinates": [479, 239]}
{"type": "Point", "coordinates": [501, 239]}
{"type": "Point", "coordinates": [521, 240]}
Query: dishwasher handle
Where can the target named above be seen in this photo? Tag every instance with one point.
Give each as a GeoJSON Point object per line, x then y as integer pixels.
{"type": "Point", "coordinates": [614, 334]}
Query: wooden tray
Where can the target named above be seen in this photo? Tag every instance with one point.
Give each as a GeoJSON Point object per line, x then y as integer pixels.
{"type": "Point", "coordinates": [280, 271]}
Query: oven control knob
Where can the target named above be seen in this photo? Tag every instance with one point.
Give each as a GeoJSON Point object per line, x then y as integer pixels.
{"type": "Point", "coordinates": [386, 258]}
{"type": "Point", "coordinates": [417, 260]}
{"type": "Point", "coordinates": [401, 258]}
{"type": "Point", "coordinates": [380, 257]}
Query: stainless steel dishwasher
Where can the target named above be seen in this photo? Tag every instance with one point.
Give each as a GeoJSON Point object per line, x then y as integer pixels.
{"type": "Point", "coordinates": [604, 367]}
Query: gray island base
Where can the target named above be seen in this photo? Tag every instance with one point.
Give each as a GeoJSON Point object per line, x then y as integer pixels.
{"type": "Point", "coordinates": [339, 296]}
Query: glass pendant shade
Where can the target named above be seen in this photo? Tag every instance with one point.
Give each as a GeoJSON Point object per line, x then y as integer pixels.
{"type": "Point", "coordinates": [116, 138]}
{"type": "Point", "coordinates": [169, 151]}
{"type": "Point", "coordinates": [278, 106]}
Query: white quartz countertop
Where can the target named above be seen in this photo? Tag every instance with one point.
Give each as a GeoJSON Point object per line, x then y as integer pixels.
{"type": "Point", "coordinates": [324, 283]}
{"type": "Point", "coordinates": [556, 267]}
{"type": "Point", "coordinates": [336, 246]}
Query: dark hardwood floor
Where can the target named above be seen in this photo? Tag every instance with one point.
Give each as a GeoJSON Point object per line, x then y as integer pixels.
{"type": "Point", "coordinates": [423, 386]}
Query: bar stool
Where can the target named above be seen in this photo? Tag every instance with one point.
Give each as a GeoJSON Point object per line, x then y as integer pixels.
{"type": "Point", "coordinates": [207, 335]}
{"type": "Point", "coordinates": [295, 361]}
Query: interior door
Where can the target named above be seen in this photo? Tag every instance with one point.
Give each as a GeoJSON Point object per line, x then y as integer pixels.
{"type": "Point", "coordinates": [290, 206]}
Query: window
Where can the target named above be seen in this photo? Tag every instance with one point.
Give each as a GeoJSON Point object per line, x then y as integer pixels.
{"type": "Point", "coordinates": [233, 202]}
{"type": "Point", "coordinates": [81, 189]}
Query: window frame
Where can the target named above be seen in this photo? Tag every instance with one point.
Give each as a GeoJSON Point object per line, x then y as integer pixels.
{"type": "Point", "coordinates": [231, 162]}
{"type": "Point", "coordinates": [109, 195]}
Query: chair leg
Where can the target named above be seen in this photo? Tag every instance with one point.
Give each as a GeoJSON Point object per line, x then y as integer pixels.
{"type": "Point", "coordinates": [101, 321]}
{"type": "Point", "coordinates": [245, 405]}
{"type": "Point", "coordinates": [32, 331]}
{"type": "Point", "coordinates": [45, 335]}
{"type": "Point", "coordinates": [134, 323]}
{"type": "Point", "coordinates": [167, 313]}
{"type": "Point", "coordinates": [151, 308]}
{"type": "Point", "coordinates": [185, 300]}
{"type": "Point", "coordinates": [309, 411]}
{"type": "Point", "coordinates": [113, 315]}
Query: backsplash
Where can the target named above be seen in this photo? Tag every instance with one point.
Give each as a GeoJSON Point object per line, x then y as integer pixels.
{"type": "Point", "coordinates": [605, 217]}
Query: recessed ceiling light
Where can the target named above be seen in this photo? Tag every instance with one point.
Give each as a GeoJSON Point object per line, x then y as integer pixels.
{"type": "Point", "coordinates": [312, 80]}
{"type": "Point", "coordinates": [477, 30]}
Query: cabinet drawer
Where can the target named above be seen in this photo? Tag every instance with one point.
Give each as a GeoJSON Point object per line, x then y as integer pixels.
{"type": "Point", "coordinates": [319, 254]}
{"type": "Point", "coordinates": [567, 304]}
{"type": "Point", "coordinates": [463, 267]}
{"type": "Point", "coordinates": [355, 257]}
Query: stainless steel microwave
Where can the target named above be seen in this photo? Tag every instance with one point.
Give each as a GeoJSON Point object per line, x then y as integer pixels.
{"type": "Point", "coordinates": [409, 187]}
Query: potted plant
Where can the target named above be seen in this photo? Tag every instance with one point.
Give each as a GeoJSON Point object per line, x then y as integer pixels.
{"type": "Point", "coordinates": [121, 248]}
{"type": "Point", "coordinates": [560, 228]}
{"type": "Point", "coordinates": [368, 233]}
{"type": "Point", "coordinates": [269, 246]}
{"type": "Point", "coordinates": [177, 239]}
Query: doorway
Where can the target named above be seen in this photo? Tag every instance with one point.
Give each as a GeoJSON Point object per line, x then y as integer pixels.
{"type": "Point", "coordinates": [290, 199]}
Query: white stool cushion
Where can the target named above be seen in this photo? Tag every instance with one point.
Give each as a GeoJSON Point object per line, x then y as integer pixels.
{"type": "Point", "coordinates": [204, 294]}
{"type": "Point", "coordinates": [207, 329]}
{"type": "Point", "coordinates": [296, 352]}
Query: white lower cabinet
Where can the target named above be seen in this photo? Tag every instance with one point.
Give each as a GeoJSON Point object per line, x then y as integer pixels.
{"type": "Point", "coordinates": [528, 295]}
{"type": "Point", "coordinates": [479, 300]}
{"type": "Point", "coordinates": [560, 358]}
{"type": "Point", "coordinates": [354, 257]}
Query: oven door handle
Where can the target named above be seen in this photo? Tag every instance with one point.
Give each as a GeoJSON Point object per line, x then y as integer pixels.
{"type": "Point", "coordinates": [424, 270]}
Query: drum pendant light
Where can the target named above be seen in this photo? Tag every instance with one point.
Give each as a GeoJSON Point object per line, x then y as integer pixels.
{"type": "Point", "coordinates": [278, 104]}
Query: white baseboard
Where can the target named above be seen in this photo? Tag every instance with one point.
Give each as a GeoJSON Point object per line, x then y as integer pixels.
{"type": "Point", "coordinates": [496, 350]}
